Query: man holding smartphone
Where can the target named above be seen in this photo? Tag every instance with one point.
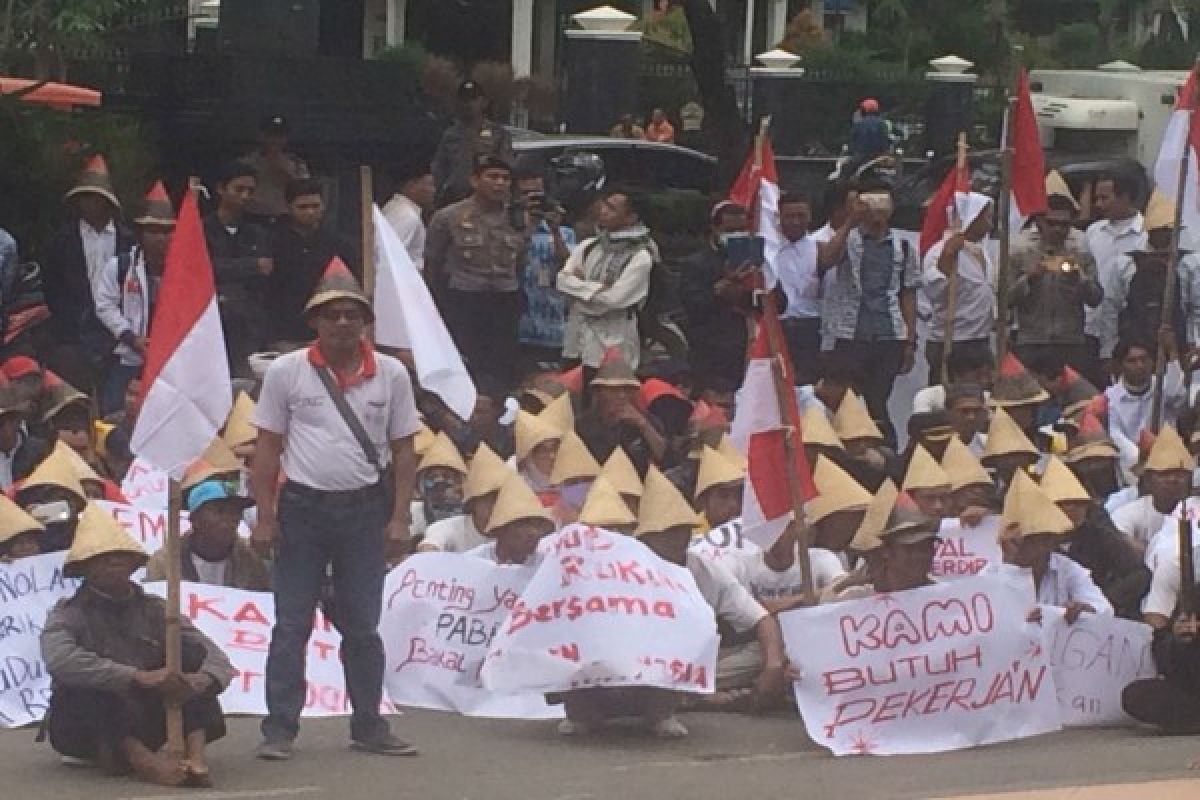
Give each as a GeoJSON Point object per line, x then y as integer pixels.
{"type": "Point", "coordinates": [550, 242]}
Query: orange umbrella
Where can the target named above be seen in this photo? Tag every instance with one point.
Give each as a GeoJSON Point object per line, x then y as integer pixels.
{"type": "Point", "coordinates": [56, 95]}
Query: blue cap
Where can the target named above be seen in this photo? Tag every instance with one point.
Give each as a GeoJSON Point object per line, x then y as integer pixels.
{"type": "Point", "coordinates": [207, 491]}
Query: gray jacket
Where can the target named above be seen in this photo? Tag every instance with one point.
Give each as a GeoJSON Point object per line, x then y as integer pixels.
{"type": "Point", "coordinates": [1050, 305]}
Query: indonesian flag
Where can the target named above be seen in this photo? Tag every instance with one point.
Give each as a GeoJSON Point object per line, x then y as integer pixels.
{"type": "Point", "coordinates": [1028, 188]}
{"type": "Point", "coordinates": [759, 428]}
{"type": "Point", "coordinates": [186, 393]}
{"type": "Point", "coordinates": [406, 318]}
{"type": "Point", "coordinates": [1180, 132]}
{"type": "Point", "coordinates": [757, 190]}
{"type": "Point", "coordinates": [945, 210]}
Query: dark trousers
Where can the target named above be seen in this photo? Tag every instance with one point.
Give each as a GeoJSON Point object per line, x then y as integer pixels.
{"type": "Point", "coordinates": [934, 351]}
{"type": "Point", "coordinates": [877, 364]}
{"type": "Point", "coordinates": [804, 346]}
{"type": "Point", "coordinates": [484, 326]}
{"type": "Point", "coordinates": [317, 530]}
{"type": "Point", "coordinates": [1165, 703]}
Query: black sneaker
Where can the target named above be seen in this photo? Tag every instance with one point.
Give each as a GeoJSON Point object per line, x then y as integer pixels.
{"type": "Point", "coordinates": [386, 745]}
{"type": "Point", "coordinates": [274, 750]}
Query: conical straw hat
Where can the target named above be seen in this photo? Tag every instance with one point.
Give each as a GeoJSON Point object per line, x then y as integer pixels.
{"type": "Point", "coordinates": [614, 370]}
{"type": "Point", "coordinates": [338, 283]}
{"type": "Point", "coordinates": [1005, 437]}
{"type": "Point", "coordinates": [620, 472]}
{"type": "Point", "coordinates": [422, 440]}
{"type": "Point", "coordinates": [1055, 185]}
{"type": "Point", "coordinates": [604, 507]}
{"type": "Point", "coordinates": [1091, 440]}
{"type": "Point", "coordinates": [530, 431]}
{"type": "Point", "coordinates": [870, 532]}
{"type": "Point", "coordinates": [83, 470]}
{"type": "Point", "coordinates": [238, 428]}
{"type": "Point", "coordinates": [560, 413]}
{"type": "Point", "coordinates": [1169, 452]}
{"type": "Point", "coordinates": [157, 208]}
{"type": "Point", "coordinates": [1032, 510]}
{"type": "Point", "coordinates": [95, 179]}
{"type": "Point", "coordinates": [1160, 212]}
{"type": "Point", "coordinates": [906, 518]}
{"type": "Point", "coordinates": [574, 462]}
{"type": "Point", "coordinates": [715, 470]}
{"type": "Point", "coordinates": [516, 501]}
{"type": "Point", "coordinates": [443, 453]}
{"type": "Point", "coordinates": [486, 474]}
{"type": "Point", "coordinates": [924, 472]}
{"type": "Point", "coordinates": [57, 394]}
{"type": "Point", "coordinates": [216, 460]}
{"type": "Point", "coordinates": [727, 448]}
{"type": "Point", "coordinates": [15, 520]}
{"type": "Point", "coordinates": [963, 468]}
{"type": "Point", "coordinates": [853, 421]}
{"type": "Point", "coordinates": [1078, 391]}
{"type": "Point", "coordinates": [1060, 484]}
{"type": "Point", "coordinates": [662, 506]}
{"type": "Point", "coordinates": [55, 470]}
{"type": "Point", "coordinates": [571, 380]}
{"type": "Point", "coordinates": [1015, 386]}
{"type": "Point", "coordinates": [96, 534]}
{"type": "Point", "coordinates": [836, 491]}
{"type": "Point", "coordinates": [816, 430]}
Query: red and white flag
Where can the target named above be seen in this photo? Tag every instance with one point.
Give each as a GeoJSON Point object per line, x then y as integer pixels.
{"type": "Point", "coordinates": [759, 431]}
{"type": "Point", "coordinates": [757, 190]}
{"type": "Point", "coordinates": [945, 209]}
{"type": "Point", "coordinates": [186, 394]}
{"type": "Point", "coordinates": [1028, 188]}
{"type": "Point", "coordinates": [1181, 130]}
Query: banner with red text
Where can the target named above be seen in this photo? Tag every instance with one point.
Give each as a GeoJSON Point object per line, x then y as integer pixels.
{"type": "Point", "coordinates": [945, 667]}
{"type": "Point", "coordinates": [963, 551]}
{"type": "Point", "coordinates": [145, 485]}
{"type": "Point", "coordinates": [1094, 659]}
{"type": "Point", "coordinates": [440, 614]}
{"type": "Point", "coordinates": [604, 610]}
{"type": "Point", "coordinates": [148, 524]}
{"type": "Point", "coordinates": [723, 542]}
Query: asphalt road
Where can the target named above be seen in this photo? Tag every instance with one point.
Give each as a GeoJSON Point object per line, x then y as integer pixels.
{"type": "Point", "coordinates": [727, 757]}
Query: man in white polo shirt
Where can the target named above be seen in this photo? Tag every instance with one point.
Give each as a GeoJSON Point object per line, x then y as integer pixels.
{"type": "Point", "coordinates": [336, 506]}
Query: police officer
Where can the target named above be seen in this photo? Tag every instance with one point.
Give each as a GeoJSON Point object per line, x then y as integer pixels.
{"type": "Point", "coordinates": [473, 252]}
{"type": "Point", "coordinates": [471, 134]}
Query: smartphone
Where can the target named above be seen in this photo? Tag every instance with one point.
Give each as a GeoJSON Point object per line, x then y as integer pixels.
{"type": "Point", "coordinates": [742, 250]}
{"type": "Point", "coordinates": [50, 513]}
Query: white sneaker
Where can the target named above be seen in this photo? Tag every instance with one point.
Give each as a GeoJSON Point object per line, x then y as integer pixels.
{"type": "Point", "coordinates": [669, 728]}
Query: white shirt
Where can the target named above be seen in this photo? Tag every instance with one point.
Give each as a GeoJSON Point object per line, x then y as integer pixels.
{"type": "Point", "coordinates": [730, 601]}
{"type": "Point", "coordinates": [98, 247]}
{"type": "Point", "coordinates": [1129, 414]}
{"type": "Point", "coordinates": [1163, 596]}
{"type": "Point", "coordinates": [1067, 582]}
{"type": "Point", "coordinates": [454, 535]}
{"type": "Point", "coordinates": [211, 573]}
{"type": "Point", "coordinates": [975, 307]}
{"type": "Point", "coordinates": [124, 307]}
{"type": "Point", "coordinates": [487, 552]}
{"type": "Point", "coordinates": [405, 218]}
{"type": "Point", "coordinates": [764, 583]}
{"type": "Point", "coordinates": [319, 450]}
{"type": "Point", "coordinates": [1139, 520]}
{"type": "Point", "coordinates": [1121, 498]}
{"type": "Point", "coordinates": [1108, 241]}
{"type": "Point", "coordinates": [795, 267]}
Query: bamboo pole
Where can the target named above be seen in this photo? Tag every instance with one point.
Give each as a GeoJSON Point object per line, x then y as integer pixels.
{"type": "Point", "coordinates": [956, 226]}
{"type": "Point", "coordinates": [1004, 209]}
{"type": "Point", "coordinates": [176, 745]}
{"type": "Point", "coordinates": [367, 204]}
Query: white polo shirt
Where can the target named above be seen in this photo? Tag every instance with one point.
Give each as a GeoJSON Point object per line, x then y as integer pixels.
{"type": "Point", "coordinates": [319, 449]}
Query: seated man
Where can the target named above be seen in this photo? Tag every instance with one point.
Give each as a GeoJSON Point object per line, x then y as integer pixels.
{"type": "Point", "coordinates": [518, 523]}
{"type": "Point", "coordinates": [719, 485]}
{"type": "Point", "coordinates": [20, 534]}
{"type": "Point", "coordinates": [910, 539]}
{"type": "Point", "coordinates": [104, 649]}
{"type": "Point", "coordinates": [54, 496]}
{"type": "Point", "coordinates": [439, 482]}
{"type": "Point", "coordinates": [461, 533]}
{"type": "Point", "coordinates": [212, 552]}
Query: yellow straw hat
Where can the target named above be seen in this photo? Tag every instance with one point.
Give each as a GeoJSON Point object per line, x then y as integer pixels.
{"type": "Point", "coordinates": [560, 413]}
{"type": "Point", "coordinates": [443, 453]}
{"type": "Point", "coordinates": [83, 470]}
{"type": "Point", "coordinates": [716, 470]}
{"type": "Point", "coordinates": [727, 448]}
{"type": "Point", "coordinates": [56, 470]}
{"type": "Point", "coordinates": [516, 501]}
{"type": "Point", "coordinates": [963, 467]}
{"type": "Point", "coordinates": [869, 535]}
{"type": "Point", "coordinates": [15, 520]}
{"type": "Point", "coordinates": [574, 462]}
{"type": "Point", "coordinates": [1056, 185]}
{"type": "Point", "coordinates": [1005, 438]}
{"type": "Point", "coordinates": [1032, 510]}
{"type": "Point", "coordinates": [604, 507]}
{"type": "Point", "coordinates": [836, 491]}
{"type": "Point", "coordinates": [924, 472]}
{"type": "Point", "coordinates": [422, 440]}
{"type": "Point", "coordinates": [663, 507]}
{"type": "Point", "coordinates": [486, 474]}
{"type": "Point", "coordinates": [620, 472]}
{"type": "Point", "coordinates": [96, 534]}
{"type": "Point", "coordinates": [218, 459]}
{"type": "Point", "coordinates": [1169, 453]}
{"type": "Point", "coordinates": [239, 430]}
{"type": "Point", "coordinates": [816, 429]}
{"type": "Point", "coordinates": [853, 421]}
{"type": "Point", "coordinates": [1060, 484]}
{"type": "Point", "coordinates": [530, 431]}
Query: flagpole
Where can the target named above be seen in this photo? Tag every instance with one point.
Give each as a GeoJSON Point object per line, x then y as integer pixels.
{"type": "Point", "coordinates": [956, 226]}
{"type": "Point", "coordinates": [1004, 209]}
{"type": "Point", "coordinates": [367, 198]}
{"type": "Point", "coordinates": [176, 746]}
{"type": "Point", "coordinates": [1166, 320]}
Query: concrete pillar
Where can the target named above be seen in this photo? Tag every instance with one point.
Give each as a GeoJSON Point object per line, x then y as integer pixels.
{"type": "Point", "coordinates": [522, 38]}
{"type": "Point", "coordinates": [397, 18]}
{"type": "Point", "coordinates": [777, 20]}
{"type": "Point", "coordinates": [775, 87]}
{"type": "Point", "coordinates": [748, 40]}
{"type": "Point", "coordinates": [950, 108]}
{"type": "Point", "coordinates": [603, 70]}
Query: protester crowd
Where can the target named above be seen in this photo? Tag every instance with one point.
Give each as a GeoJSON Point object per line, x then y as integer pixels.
{"type": "Point", "coordinates": [1055, 438]}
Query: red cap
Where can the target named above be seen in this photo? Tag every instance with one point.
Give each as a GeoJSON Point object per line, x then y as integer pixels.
{"type": "Point", "coordinates": [19, 367]}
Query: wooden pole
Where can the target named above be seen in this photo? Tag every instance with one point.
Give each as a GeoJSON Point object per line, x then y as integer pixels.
{"type": "Point", "coordinates": [1168, 308]}
{"type": "Point", "coordinates": [1187, 565]}
{"type": "Point", "coordinates": [1003, 211]}
{"type": "Point", "coordinates": [367, 204]}
{"type": "Point", "coordinates": [956, 226]}
{"type": "Point", "coordinates": [176, 746]}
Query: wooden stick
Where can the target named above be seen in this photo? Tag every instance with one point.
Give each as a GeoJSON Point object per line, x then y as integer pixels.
{"type": "Point", "coordinates": [1003, 210]}
{"type": "Point", "coordinates": [1187, 565]}
{"type": "Point", "coordinates": [176, 746]}
{"type": "Point", "coordinates": [956, 226]}
{"type": "Point", "coordinates": [367, 198]}
{"type": "Point", "coordinates": [1168, 308]}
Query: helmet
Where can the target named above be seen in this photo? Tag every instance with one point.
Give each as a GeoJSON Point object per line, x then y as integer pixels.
{"type": "Point", "coordinates": [869, 106]}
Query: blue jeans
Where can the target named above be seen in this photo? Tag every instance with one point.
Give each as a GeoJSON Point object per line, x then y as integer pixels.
{"type": "Point", "coordinates": [319, 529]}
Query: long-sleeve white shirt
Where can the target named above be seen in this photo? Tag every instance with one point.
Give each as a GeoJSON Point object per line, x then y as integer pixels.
{"type": "Point", "coordinates": [405, 218]}
{"type": "Point", "coordinates": [795, 268]}
{"type": "Point", "coordinates": [1129, 413]}
{"type": "Point", "coordinates": [601, 316]}
{"type": "Point", "coordinates": [975, 307]}
{"type": "Point", "coordinates": [123, 306]}
{"type": "Point", "coordinates": [1067, 582]}
{"type": "Point", "coordinates": [1108, 241]}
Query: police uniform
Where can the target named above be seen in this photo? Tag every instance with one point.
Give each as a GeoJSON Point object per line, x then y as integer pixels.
{"type": "Point", "coordinates": [461, 145]}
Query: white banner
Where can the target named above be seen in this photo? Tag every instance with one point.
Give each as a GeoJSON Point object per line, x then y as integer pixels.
{"type": "Point", "coordinates": [29, 588]}
{"type": "Point", "coordinates": [940, 668]}
{"type": "Point", "coordinates": [149, 524]}
{"type": "Point", "coordinates": [963, 552]}
{"type": "Point", "coordinates": [441, 612]}
{"type": "Point", "coordinates": [145, 485]}
{"type": "Point", "coordinates": [722, 542]}
{"type": "Point", "coordinates": [604, 610]}
{"type": "Point", "coordinates": [1094, 660]}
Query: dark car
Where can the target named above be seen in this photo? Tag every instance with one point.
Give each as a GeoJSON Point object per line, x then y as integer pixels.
{"type": "Point", "coordinates": [915, 189]}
